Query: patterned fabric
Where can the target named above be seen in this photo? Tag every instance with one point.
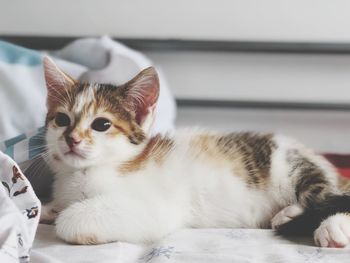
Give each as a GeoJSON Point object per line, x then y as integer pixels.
{"type": "Point", "coordinates": [19, 213]}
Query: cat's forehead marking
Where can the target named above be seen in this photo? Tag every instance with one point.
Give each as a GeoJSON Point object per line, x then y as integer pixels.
{"type": "Point", "coordinates": [84, 97]}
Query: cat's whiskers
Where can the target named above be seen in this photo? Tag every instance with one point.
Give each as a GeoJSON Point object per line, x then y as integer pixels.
{"type": "Point", "coordinates": [37, 164]}
{"type": "Point", "coordinates": [37, 147]}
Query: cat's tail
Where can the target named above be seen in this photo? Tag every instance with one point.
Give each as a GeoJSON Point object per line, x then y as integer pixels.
{"type": "Point", "coordinates": [310, 220]}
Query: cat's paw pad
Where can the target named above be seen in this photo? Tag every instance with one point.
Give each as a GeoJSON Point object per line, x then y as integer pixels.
{"type": "Point", "coordinates": [286, 215]}
{"type": "Point", "coordinates": [72, 226]}
{"type": "Point", "coordinates": [334, 231]}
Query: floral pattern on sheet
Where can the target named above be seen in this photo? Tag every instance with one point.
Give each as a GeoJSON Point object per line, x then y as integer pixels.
{"type": "Point", "coordinates": [312, 256]}
{"type": "Point", "coordinates": [13, 185]}
{"type": "Point", "coordinates": [238, 245]}
{"type": "Point", "coordinates": [161, 251]}
{"type": "Point", "coordinates": [19, 211]}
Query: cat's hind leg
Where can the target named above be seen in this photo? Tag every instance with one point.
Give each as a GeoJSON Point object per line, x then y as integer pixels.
{"type": "Point", "coordinates": [313, 181]}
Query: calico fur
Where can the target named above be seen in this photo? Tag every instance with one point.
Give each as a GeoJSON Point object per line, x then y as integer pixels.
{"type": "Point", "coordinates": [124, 185]}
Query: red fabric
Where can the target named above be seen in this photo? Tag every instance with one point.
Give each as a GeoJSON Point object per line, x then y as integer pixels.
{"type": "Point", "coordinates": [341, 162]}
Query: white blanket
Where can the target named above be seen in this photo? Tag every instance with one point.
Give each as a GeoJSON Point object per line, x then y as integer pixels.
{"type": "Point", "coordinates": [19, 213]}
{"type": "Point", "coordinates": [190, 245]}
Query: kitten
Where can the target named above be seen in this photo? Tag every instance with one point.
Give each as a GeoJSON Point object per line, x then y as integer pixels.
{"type": "Point", "coordinates": [114, 182]}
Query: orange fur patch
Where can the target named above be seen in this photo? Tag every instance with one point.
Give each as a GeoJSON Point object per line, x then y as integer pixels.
{"type": "Point", "coordinates": [155, 150]}
{"type": "Point", "coordinates": [208, 148]}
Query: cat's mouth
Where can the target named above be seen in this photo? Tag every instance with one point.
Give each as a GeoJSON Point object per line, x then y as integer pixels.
{"type": "Point", "coordinates": [74, 154]}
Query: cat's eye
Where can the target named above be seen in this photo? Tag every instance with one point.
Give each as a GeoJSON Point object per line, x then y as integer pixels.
{"type": "Point", "coordinates": [101, 124]}
{"type": "Point", "coordinates": [62, 119]}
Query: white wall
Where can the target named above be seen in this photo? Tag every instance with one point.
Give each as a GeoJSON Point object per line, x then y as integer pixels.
{"type": "Point", "coordinates": [323, 131]}
{"type": "Point", "coordinates": [239, 76]}
{"type": "Point", "coordinates": [282, 20]}
{"type": "Point", "coordinates": [203, 74]}
{"type": "Point", "coordinates": [267, 77]}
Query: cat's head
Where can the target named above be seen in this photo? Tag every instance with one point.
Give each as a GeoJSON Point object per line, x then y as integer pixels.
{"type": "Point", "coordinates": [91, 123]}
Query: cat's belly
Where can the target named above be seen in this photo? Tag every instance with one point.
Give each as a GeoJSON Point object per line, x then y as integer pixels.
{"type": "Point", "coordinates": [202, 197]}
{"type": "Point", "coordinates": [245, 211]}
{"type": "Point", "coordinates": [226, 200]}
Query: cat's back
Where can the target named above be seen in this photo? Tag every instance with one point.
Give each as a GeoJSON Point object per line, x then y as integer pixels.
{"type": "Point", "coordinates": [258, 159]}
{"type": "Point", "coordinates": [191, 154]}
{"type": "Point", "coordinates": [245, 153]}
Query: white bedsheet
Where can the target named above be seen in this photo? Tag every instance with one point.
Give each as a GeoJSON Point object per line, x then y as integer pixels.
{"type": "Point", "coordinates": [190, 245]}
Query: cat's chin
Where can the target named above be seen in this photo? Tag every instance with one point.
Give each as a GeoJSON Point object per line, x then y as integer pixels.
{"type": "Point", "coordinates": [74, 156]}
{"type": "Point", "coordinates": [76, 161]}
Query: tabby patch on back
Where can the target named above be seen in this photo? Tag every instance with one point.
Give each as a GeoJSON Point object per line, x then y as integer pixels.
{"type": "Point", "coordinates": [115, 182]}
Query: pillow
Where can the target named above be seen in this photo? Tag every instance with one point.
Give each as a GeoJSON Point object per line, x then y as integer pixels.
{"type": "Point", "coordinates": [22, 89]}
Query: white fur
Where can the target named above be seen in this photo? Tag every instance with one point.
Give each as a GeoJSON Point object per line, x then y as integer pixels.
{"type": "Point", "coordinates": [143, 206]}
{"type": "Point", "coordinates": [286, 215]}
{"type": "Point", "coordinates": [334, 231]}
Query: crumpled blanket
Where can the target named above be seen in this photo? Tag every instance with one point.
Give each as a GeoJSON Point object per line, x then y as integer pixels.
{"type": "Point", "coordinates": [19, 213]}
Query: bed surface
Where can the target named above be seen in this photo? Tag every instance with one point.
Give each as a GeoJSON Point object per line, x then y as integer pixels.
{"type": "Point", "coordinates": [190, 245]}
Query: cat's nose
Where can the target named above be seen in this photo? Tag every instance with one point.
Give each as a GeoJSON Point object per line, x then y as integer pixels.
{"type": "Point", "coordinates": [73, 140]}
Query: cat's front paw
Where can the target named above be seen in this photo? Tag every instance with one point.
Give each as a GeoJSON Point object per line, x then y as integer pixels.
{"type": "Point", "coordinates": [334, 231]}
{"type": "Point", "coordinates": [286, 215]}
{"type": "Point", "coordinates": [76, 225]}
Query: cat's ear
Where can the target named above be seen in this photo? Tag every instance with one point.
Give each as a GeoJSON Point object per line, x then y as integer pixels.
{"type": "Point", "coordinates": [142, 93]}
{"type": "Point", "coordinates": [57, 81]}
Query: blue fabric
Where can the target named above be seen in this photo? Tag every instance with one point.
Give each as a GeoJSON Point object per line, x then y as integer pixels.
{"type": "Point", "coordinates": [10, 151]}
{"type": "Point", "coordinates": [13, 141]}
{"type": "Point", "coordinates": [13, 54]}
{"type": "Point", "coordinates": [28, 146]}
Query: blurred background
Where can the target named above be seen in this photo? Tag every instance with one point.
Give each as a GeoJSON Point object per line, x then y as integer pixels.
{"type": "Point", "coordinates": [273, 65]}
